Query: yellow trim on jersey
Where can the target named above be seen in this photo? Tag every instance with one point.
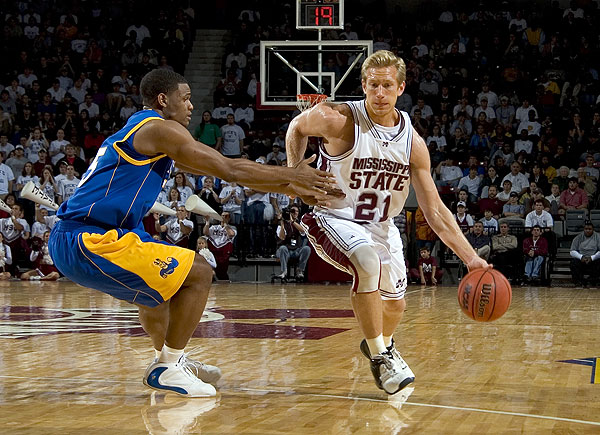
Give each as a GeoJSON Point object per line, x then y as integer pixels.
{"type": "Point", "coordinates": [133, 130]}
{"type": "Point", "coordinates": [142, 259]}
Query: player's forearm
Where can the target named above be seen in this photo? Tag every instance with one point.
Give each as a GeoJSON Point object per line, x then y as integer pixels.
{"type": "Point", "coordinates": [295, 145]}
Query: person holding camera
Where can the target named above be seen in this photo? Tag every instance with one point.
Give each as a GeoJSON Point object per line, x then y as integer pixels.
{"type": "Point", "coordinates": [290, 243]}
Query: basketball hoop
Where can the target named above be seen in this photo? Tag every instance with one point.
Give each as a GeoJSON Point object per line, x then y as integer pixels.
{"type": "Point", "coordinates": [306, 101]}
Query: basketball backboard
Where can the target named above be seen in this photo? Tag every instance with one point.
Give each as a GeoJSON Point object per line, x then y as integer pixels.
{"type": "Point", "coordinates": [331, 67]}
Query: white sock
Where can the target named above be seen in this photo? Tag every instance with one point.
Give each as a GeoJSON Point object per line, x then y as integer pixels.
{"type": "Point", "coordinates": [157, 354]}
{"type": "Point", "coordinates": [376, 345]}
{"type": "Point", "coordinates": [387, 339]}
{"type": "Point", "coordinates": [170, 355]}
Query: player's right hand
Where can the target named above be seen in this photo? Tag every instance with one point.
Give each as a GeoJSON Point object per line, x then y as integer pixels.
{"type": "Point", "coordinates": [314, 186]}
{"type": "Point", "coordinates": [478, 263]}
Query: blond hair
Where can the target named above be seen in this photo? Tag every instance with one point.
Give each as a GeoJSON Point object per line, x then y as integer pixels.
{"type": "Point", "coordinates": [382, 59]}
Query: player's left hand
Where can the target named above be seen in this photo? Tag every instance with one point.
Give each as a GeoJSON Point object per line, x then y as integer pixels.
{"type": "Point", "coordinates": [478, 263]}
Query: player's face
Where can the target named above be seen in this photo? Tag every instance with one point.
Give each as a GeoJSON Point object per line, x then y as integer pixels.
{"type": "Point", "coordinates": [382, 89]}
{"type": "Point", "coordinates": [179, 105]}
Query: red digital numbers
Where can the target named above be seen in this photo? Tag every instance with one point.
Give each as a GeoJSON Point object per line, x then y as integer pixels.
{"type": "Point", "coordinates": [324, 16]}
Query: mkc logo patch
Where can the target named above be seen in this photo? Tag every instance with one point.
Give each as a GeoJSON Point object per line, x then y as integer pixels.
{"type": "Point", "coordinates": [166, 267]}
{"type": "Point", "coordinates": [593, 362]}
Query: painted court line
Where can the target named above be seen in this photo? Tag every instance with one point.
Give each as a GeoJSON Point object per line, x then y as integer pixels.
{"type": "Point", "coordinates": [429, 405]}
{"type": "Point", "coordinates": [333, 396]}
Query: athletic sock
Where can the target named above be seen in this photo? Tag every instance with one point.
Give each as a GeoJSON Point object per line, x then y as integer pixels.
{"type": "Point", "coordinates": [387, 339]}
{"type": "Point", "coordinates": [157, 354]}
{"type": "Point", "coordinates": [376, 345]}
{"type": "Point", "coordinates": [170, 355]}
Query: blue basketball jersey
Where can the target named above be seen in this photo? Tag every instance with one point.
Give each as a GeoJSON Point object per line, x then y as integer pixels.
{"type": "Point", "coordinates": [121, 185]}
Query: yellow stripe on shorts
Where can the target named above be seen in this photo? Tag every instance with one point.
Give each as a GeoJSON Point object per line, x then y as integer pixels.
{"type": "Point", "coordinates": [152, 262]}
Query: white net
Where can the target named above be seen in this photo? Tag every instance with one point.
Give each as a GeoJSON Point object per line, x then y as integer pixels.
{"type": "Point", "coordinates": [306, 101]}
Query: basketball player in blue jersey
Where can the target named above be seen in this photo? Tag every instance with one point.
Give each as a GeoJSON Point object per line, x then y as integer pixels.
{"type": "Point", "coordinates": [100, 241]}
{"type": "Point", "coordinates": [375, 153]}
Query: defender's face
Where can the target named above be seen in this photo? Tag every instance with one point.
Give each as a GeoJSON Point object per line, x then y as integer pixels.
{"type": "Point", "coordinates": [178, 105]}
{"type": "Point", "coordinates": [382, 90]}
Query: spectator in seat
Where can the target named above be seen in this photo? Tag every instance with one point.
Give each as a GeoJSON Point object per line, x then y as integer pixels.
{"type": "Point", "coordinates": [233, 138]}
{"type": "Point", "coordinates": [574, 198]}
{"type": "Point", "coordinates": [492, 202]}
{"type": "Point", "coordinates": [231, 198]}
{"type": "Point", "coordinates": [16, 231]}
{"type": "Point", "coordinates": [505, 250]}
{"type": "Point", "coordinates": [490, 224]}
{"type": "Point", "coordinates": [220, 243]}
{"type": "Point", "coordinates": [519, 181]}
{"type": "Point", "coordinates": [219, 113]}
{"type": "Point", "coordinates": [464, 220]}
{"type": "Point", "coordinates": [535, 249]}
{"type": "Point", "coordinates": [290, 243]}
{"type": "Point", "coordinates": [586, 183]}
{"type": "Point", "coordinates": [540, 217]}
{"type": "Point", "coordinates": [471, 182]}
{"type": "Point", "coordinates": [44, 268]}
{"type": "Point", "coordinates": [7, 179]}
{"type": "Point", "coordinates": [178, 228]}
{"type": "Point", "coordinates": [449, 174]}
{"type": "Point", "coordinates": [585, 253]}
{"type": "Point", "coordinates": [512, 210]}
{"type": "Point", "coordinates": [202, 249]}
{"type": "Point", "coordinates": [427, 270]}
{"type": "Point", "coordinates": [479, 241]}
{"type": "Point", "coordinates": [207, 132]}
{"type": "Point", "coordinates": [5, 260]}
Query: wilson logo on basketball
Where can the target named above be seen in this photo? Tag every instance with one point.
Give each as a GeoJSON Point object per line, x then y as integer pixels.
{"type": "Point", "coordinates": [486, 290]}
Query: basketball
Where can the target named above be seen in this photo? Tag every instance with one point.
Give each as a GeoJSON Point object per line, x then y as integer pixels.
{"type": "Point", "coordinates": [484, 295]}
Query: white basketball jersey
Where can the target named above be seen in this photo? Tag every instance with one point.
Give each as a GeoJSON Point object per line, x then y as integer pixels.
{"type": "Point", "coordinates": [375, 173]}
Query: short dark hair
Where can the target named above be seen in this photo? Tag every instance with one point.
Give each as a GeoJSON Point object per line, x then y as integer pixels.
{"type": "Point", "coordinates": [159, 81]}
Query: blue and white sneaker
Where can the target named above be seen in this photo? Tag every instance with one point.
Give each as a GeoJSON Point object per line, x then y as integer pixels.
{"type": "Point", "coordinates": [176, 377]}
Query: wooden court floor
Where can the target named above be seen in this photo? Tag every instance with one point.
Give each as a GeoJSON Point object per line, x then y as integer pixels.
{"type": "Point", "coordinates": [72, 359]}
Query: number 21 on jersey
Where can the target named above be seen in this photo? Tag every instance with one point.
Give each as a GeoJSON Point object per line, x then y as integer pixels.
{"type": "Point", "coordinates": [368, 203]}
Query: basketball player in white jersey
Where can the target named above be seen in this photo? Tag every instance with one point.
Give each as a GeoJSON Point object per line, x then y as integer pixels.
{"type": "Point", "coordinates": [375, 154]}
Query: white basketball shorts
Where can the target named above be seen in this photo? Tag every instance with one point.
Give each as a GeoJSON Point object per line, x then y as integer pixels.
{"type": "Point", "coordinates": [335, 240]}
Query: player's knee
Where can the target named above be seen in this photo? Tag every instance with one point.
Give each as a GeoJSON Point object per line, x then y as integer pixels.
{"type": "Point", "coordinates": [367, 266]}
{"type": "Point", "coordinates": [395, 305]}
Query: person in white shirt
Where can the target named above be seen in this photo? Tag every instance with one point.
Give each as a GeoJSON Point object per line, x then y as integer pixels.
{"type": "Point", "coordinates": [519, 181]}
{"type": "Point", "coordinates": [202, 249]}
{"type": "Point", "coordinates": [77, 91]}
{"type": "Point", "coordinates": [489, 112]}
{"type": "Point", "coordinates": [57, 146]}
{"type": "Point", "coordinates": [590, 170]}
{"type": "Point", "coordinates": [89, 105]}
{"type": "Point", "coordinates": [233, 138]}
{"type": "Point", "coordinates": [522, 113]}
{"type": "Point", "coordinates": [16, 231]}
{"type": "Point", "coordinates": [449, 174]}
{"type": "Point", "coordinates": [6, 179]}
{"type": "Point", "coordinates": [463, 106]}
{"type": "Point", "coordinates": [426, 111]}
{"type": "Point", "coordinates": [348, 34]}
{"type": "Point", "coordinates": [244, 114]}
{"type": "Point", "coordinates": [490, 224]}
{"type": "Point", "coordinates": [231, 197]}
{"type": "Point", "coordinates": [5, 260]}
{"type": "Point", "coordinates": [471, 182]}
{"type": "Point", "coordinates": [178, 228]}
{"type": "Point", "coordinates": [491, 96]}
{"type": "Point", "coordinates": [141, 31]}
{"type": "Point", "coordinates": [423, 50]}
{"type": "Point", "coordinates": [506, 190]}
{"type": "Point", "coordinates": [67, 186]}
{"type": "Point", "coordinates": [5, 147]}
{"type": "Point", "coordinates": [523, 143]}
{"type": "Point", "coordinates": [220, 242]}
{"type": "Point", "coordinates": [539, 216]}
{"type": "Point", "coordinates": [56, 92]}
{"type": "Point", "coordinates": [220, 113]}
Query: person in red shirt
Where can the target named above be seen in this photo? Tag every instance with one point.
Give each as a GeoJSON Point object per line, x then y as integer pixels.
{"type": "Point", "coordinates": [427, 270]}
{"type": "Point", "coordinates": [574, 198]}
{"type": "Point", "coordinates": [492, 202]}
{"type": "Point", "coordinates": [535, 249]}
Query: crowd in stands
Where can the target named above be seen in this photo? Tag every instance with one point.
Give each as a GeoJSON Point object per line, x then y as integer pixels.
{"type": "Point", "coordinates": [505, 95]}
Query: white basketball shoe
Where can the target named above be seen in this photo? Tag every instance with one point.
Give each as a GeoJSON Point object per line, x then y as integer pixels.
{"type": "Point", "coordinates": [389, 369]}
{"type": "Point", "coordinates": [176, 377]}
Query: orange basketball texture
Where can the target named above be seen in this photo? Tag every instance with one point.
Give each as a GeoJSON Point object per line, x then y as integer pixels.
{"type": "Point", "coordinates": [484, 295]}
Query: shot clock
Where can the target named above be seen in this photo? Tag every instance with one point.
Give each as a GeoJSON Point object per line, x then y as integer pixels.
{"type": "Point", "coordinates": [320, 14]}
